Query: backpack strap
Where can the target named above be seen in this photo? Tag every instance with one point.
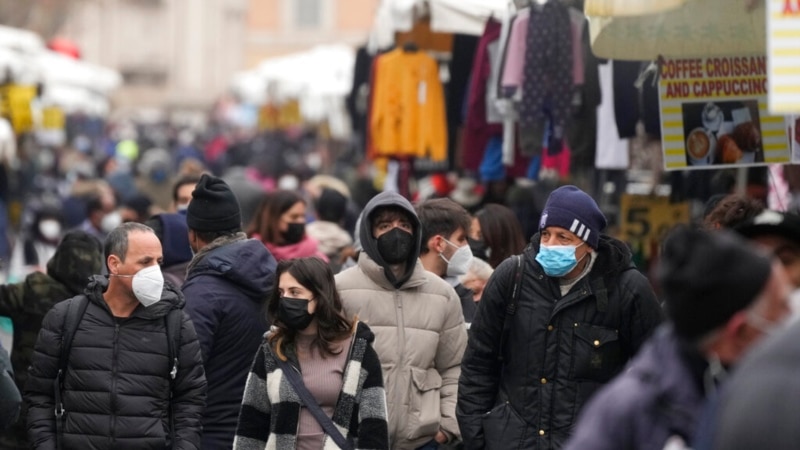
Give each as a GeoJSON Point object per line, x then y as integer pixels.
{"type": "Point", "coordinates": [173, 321]}
{"type": "Point", "coordinates": [511, 302]}
{"type": "Point", "coordinates": [76, 307]}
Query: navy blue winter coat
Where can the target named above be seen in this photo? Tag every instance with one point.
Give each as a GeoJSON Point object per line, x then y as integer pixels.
{"type": "Point", "coordinates": [656, 400]}
{"type": "Point", "coordinates": [226, 291]}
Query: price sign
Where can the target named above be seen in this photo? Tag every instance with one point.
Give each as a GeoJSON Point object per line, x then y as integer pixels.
{"type": "Point", "coordinates": [647, 218]}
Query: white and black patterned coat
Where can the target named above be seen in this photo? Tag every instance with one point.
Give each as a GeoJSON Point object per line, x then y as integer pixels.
{"type": "Point", "coordinates": [270, 411]}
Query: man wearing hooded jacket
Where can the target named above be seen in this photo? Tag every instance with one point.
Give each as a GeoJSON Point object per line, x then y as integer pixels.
{"type": "Point", "coordinates": [227, 284]}
{"type": "Point", "coordinates": [116, 392]}
{"type": "Point", "coordinates": [417, 320]}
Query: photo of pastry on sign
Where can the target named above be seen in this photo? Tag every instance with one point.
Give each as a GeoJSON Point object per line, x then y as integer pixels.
{"type": "Point", "coordinates": [722, 132]}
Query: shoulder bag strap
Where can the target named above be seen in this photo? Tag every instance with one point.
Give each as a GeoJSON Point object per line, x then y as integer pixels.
{"type": "Point", "coordinates": [311, 404]}
{"type": "Point", "coordinates": [72, 318]}
{"type": "Point", "coordinates": [511, 303]}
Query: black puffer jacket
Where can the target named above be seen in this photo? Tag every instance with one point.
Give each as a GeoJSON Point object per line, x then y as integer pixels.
{"type": "Point", "coordinates": [116, 389]}
{"type": "Point", "coordinates": [558, 352]}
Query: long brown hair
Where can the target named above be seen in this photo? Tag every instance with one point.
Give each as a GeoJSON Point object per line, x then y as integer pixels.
{"type": "Point", "coordinates": [267, 220]}
{"type": "Point", "coordinates": [501, 232]}
{"type": "Point", "coordinates": [332, 325]}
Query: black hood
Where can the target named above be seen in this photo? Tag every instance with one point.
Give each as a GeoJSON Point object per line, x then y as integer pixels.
{"type": "Point", "coordinates": [369, 243]}
{"type": "Point", "coordinates": [77, 258]}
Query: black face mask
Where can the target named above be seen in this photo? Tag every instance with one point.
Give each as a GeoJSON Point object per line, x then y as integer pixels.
{"type": "Point", "coordinates": [295, 233]}
{"type": "Point", "coordinates": [478, 248]}
{"type": "Point", "coordinates": [293, 312]}
{"type": "Point", "coordinates": [395, 246]}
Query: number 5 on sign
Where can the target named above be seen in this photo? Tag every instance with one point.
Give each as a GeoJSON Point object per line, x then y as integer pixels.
{"type": "Point", "coordinates": [647, 217]}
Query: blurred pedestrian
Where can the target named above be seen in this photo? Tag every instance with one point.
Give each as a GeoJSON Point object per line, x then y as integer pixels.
{"type": "Point", "coordinates": [136, 208]}
{"type": "Point", "coordinates": [417, 320]}
{"type": "Point", "coordinates": [312, 345]}
{"type": "Point", "coordinates": [476, 277]}
{"type": "Point", "coordinates": [445, 250]}
{"type": "Point", "coordinates": [280, 224]}
{"type": "Point", "coordinates": [77, 257]}
{"type": "Point", "coordinates": [172, 231]}
{"type": "Point", "coordinates": [330, 208]}
{"type": "Point", "coordinates": [182, 192]}
{"type": "Point", "coordinates": [722, 297]}
{"type": "Point", "coordinates": [37, 242]}
{"type": "Point", "coordinates": [552, 327]}
{"type": "Point", "coordinates": [730, 210]}
{"type": "Point", "coordinates": [496, 234]}
{"type": "Point", "coordinates": [226, 288]}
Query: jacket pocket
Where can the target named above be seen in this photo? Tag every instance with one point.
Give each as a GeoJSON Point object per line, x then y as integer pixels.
{"type": "Point", "coordinates": [503, 428]}
{"type": "Point", "coordinates": [424, 403]}
{"type": "Point", "coordinates": [596, 353]}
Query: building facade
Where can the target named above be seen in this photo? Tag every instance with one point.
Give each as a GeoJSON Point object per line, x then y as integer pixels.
{"type": "Point", "coordinates": [179, 55]}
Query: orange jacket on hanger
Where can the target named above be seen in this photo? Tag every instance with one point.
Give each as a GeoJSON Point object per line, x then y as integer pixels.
{"type": "Point", "coordinates": [408, 116]}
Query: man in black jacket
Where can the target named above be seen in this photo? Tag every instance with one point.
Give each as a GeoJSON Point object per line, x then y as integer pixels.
{"type": "Point", "coordinates": [117, 390]}
{"type": "Point", "coordinates": [582, 313]}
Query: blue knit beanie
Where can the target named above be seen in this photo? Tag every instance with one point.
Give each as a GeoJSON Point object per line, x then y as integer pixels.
{"type": "Point", "coordinates": [570, 208]}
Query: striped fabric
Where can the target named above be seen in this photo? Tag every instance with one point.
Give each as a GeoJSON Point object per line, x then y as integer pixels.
{"type": "Point", "coordinates": [270, 410]}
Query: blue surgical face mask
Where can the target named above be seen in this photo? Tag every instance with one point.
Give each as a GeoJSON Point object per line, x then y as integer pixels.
{"type": "Point", "coordinates": [557, 260]}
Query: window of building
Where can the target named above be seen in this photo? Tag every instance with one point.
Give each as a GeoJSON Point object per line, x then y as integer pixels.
{"type": "Point", "coordinates": [308, 13]}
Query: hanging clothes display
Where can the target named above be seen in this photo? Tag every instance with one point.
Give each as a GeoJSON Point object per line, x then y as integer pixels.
{"type": "Point", "coordinates": [548, 82]}
{"type": "Point", "coordinates": [407, 118]}
{"type": "Point", "coordinates": [478, 130]}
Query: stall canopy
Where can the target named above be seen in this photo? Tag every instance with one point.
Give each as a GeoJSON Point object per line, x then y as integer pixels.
{"type": "Point", "coordinates": [622, 8]}
{"type": "Point", "coordinates": [446, 16]}
{"type": "Point", "coordinates": [699, 28]}
{"type": "Point", "coordinates": [464, 16]}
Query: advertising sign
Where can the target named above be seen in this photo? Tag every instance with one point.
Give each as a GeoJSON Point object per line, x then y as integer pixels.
{"type": "Point", "coordinates": [714, 114]}
{"type": "Point", "coordinates": [783, 35]}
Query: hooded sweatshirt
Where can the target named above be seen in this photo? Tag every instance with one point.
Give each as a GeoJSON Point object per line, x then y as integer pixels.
{"type": "Point", "coordinates": [226, 290]}
{"type": "Point", "coordinates": [77, 258]}
{"type": "Point", "coordinates": [419, 329]}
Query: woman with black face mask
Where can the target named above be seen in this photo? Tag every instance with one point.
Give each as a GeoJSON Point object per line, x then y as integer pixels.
{"type": "Point", "coordinates": [280, 224]}
{"type": "Point", "coordinates": [313, 350]}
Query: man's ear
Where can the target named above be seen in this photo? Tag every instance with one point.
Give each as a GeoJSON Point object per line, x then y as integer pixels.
{"type": "Point", "coordinates": [113, 263]}
{"type": "Point", "coordinates": [434, 244]}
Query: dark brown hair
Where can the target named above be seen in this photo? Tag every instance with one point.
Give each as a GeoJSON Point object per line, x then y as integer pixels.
{"type": "Point", "coordinates": [267, 220]}
{"type": "Point", "coordinates": [332, 325]}
{"type": "Point", "coordinates": [501, 232]}
{"type": "Point", "coordinates": [731, 211]}
{"type": "Point", "coordinates": [441, 217]}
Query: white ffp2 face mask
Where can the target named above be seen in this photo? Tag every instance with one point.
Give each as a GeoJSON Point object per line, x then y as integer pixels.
{"type": "Point", "coordinates": [147, 284]}
{"type": "Point", "coordinates": [50, 229]}
{"type": "Point", "coordinates": [458, 264]}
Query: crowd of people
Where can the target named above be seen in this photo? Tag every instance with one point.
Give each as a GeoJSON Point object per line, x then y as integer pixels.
{"type": "Point", "coordinates": [247, 311]}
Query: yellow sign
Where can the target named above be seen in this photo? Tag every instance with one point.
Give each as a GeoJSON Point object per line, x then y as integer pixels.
{"type": "Point", "coordinates": [783, 35]}
{"type": "Point", "coordinates": [714, 113]}
{"type": "Point", "coordinates": [17, 106]}
{"type": "Point", "coordinates": [648, 218]}
{"type": "Point", "coordinates": [53, 118]}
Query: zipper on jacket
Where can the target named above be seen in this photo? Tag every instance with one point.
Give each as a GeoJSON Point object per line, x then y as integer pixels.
{"type": "Point", "coordinates": [114, 362]}
{"type": "Point", "coordinates": [401, 335]}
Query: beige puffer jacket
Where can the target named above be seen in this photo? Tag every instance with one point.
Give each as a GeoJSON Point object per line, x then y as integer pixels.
{"type": "Point", "coordinates": [420, 338]}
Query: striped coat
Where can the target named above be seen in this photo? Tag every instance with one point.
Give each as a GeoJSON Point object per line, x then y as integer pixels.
{"type": "Point", "coordinates": [270, 411]}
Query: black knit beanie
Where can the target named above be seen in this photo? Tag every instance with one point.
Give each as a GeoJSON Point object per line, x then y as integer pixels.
{"type": "Point", "coordinates": [707, 277]}
{"type": "Point", "coordinates": [213, 207]}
